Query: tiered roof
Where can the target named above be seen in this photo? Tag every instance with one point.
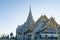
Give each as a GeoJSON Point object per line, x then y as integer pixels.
{"type": "Point", "coordinates": [49, 26]}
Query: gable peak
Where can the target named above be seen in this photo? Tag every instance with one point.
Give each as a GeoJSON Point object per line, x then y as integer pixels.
{"type": "Point", "coordinates": [44, 18]}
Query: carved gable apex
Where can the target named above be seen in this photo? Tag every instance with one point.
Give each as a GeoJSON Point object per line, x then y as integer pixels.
{"type": "Point", "coordinates": [44, 18]}
{"type": "Point", "coordinates": [52, 22]}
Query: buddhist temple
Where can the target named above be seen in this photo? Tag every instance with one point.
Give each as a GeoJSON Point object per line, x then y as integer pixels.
{"type": "Point", "coordinates": [43, 26]}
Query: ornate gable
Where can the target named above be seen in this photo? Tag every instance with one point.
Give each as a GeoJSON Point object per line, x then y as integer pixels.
{"type": "Point", "coordinates": [50, 26]}
{"type": "Point", "coordinates": [52, 22]}
{"type": "Point", "coordinates": [43, 18]}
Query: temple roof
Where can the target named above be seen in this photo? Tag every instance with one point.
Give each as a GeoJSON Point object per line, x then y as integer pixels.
{"type": "Point", "coordinates": [50, 26]}
{"type": "Point", "coordinates": [51, 22]}
{"type": "Point", "coordinates": [41, 19]}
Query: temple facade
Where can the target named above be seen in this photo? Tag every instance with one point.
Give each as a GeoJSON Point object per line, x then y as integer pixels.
{"type": "Point", "coordinates": [32, 30]}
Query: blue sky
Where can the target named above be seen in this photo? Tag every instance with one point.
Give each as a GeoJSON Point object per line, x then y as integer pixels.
{"type": "Point", "coordinates": [15, 12]}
